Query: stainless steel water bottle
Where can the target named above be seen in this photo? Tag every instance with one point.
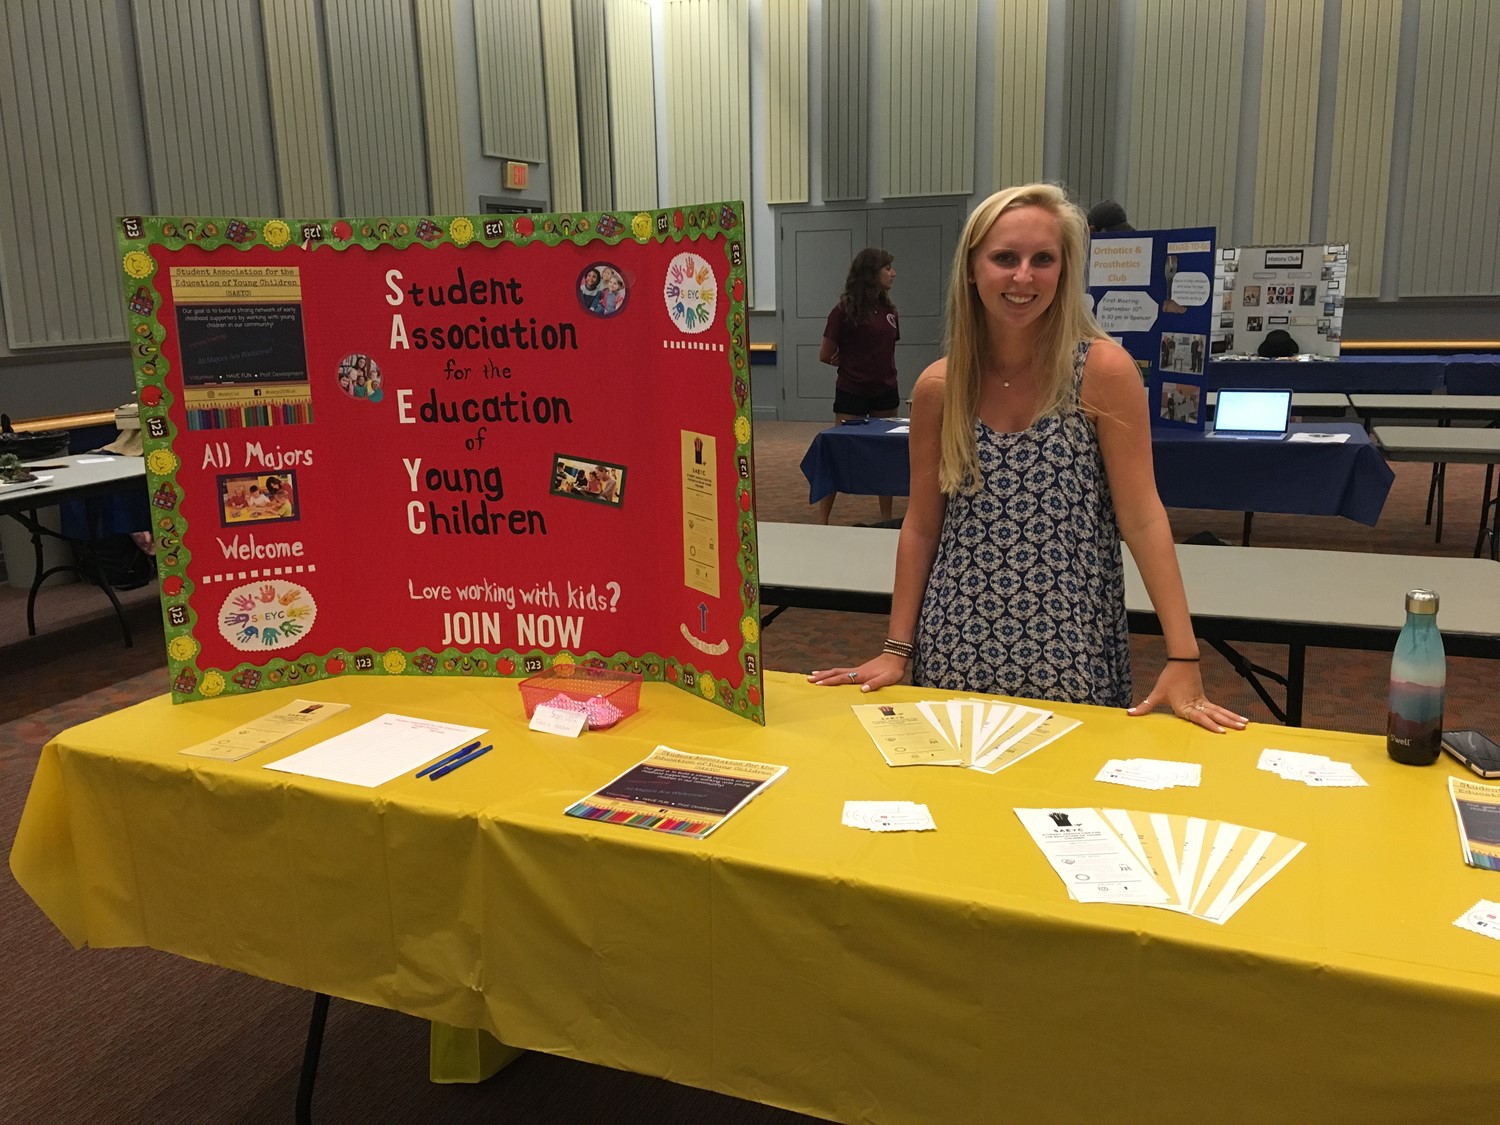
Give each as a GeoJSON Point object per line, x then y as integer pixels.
{"type": "Point", "coordinates": [1419, 673]}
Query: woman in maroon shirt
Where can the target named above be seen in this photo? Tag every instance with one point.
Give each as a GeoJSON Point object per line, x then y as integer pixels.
{"type": "Point", "coordinates": [860, 341]}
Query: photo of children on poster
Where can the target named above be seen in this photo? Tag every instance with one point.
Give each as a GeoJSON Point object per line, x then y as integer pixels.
{"type": "Point", "coordinates": [443, 489]}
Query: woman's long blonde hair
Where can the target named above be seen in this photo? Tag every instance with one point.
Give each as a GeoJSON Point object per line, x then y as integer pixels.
{"type": "Point", "coordinates": [1065, 323]}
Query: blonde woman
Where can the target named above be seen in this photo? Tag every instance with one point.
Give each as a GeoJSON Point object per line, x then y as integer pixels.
{"type": "Point", "coordinates": [1030, 462]}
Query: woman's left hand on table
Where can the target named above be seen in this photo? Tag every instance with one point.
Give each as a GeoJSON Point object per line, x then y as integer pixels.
{"type": "Point", "coordinates": [1180, 686]}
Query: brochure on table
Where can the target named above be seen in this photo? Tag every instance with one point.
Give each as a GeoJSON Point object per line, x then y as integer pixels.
{"type": "Point", "coordinates": [677, 793]}
{"type": "Point", "coordinates": [1297, 289]}
{"type": "Point", "coordinates": [1151, 291]}
{"type": "Point", "coordinates": [463, 446]}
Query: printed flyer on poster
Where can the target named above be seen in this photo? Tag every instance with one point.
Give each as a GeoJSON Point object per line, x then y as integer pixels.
{"type": "Point", "coordinates": [461, 446]}
{"type": "Point", "coordinates": [1152, 291]}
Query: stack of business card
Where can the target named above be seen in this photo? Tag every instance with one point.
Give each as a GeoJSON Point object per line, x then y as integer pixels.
{"type": "Point", "coordinates": [1481, 918]}
{"type": "Point", "coordinates": [1310, 769]}
{"type": "Point", "coordinates": [1150, 773]}
{"type": "Point", "coordinates": [888, 816]}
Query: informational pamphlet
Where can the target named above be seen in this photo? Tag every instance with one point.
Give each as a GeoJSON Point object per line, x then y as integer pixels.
{"type": "Point", "coordinates": [1090, 858]}
{"type": "Point", "coordinates": [1041, 728]}
{"type": "Point", "coordinates": [1318, 439]}
{"type": "Point", "coordinates": [904, 737]}
{"type": "Point", "coordinates": [1477, 807]}
{"type": "Point", "coordinates": [982, 734]}
{"type": "Point", "coordinates": [1205, 868]}
{"type": "Point", "coordinates": [681, 794]}
{"type": "Point", "coordinates": [262, 732]}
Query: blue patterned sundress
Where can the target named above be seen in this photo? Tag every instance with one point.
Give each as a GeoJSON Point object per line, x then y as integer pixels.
{"type": "Point", "coordinates": [1027, 592]}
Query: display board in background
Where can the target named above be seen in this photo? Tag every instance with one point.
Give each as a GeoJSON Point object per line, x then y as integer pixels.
{"type": "Point", "coordinates": [464, 446]}
{"type": "Point", "coordinates": [1153, 292]}
{"type": "Point", "coordinates": [1298, 290]}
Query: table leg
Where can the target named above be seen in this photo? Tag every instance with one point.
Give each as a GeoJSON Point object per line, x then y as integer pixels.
{"type": "Point", "coordinates": [310, 1058]}
{"type": "Point", "coordinates": [1245, 530]}
{"type": "Point", "coordinates": [1252, 672]}
{"type": "Point", "coordinates": [1484, 517]}
{"type": "Point", "coordinates": [37, 574]}
{"type": "Point", "coordinates": [1442, 480]}
{"type": "Point", "coordinates": [31, 521]}
{"type": "Point", "coordinates": [104, 584]}
{"type": "Point", "coordinates": [779, 610]}
{"type": "Point", "coordinates": [1296, 670]}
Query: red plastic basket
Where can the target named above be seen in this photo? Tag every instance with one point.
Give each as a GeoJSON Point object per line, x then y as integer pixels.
{"type": "Point", "coordinates": [581, 682]}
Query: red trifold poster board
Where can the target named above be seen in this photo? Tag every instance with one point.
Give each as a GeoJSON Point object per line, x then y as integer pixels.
{"type": "Point", "coordinates": [467, 446]}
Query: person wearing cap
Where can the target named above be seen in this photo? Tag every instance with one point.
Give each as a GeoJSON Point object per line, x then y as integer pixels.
{"type": "Point", "coordinates": [1108, 217]}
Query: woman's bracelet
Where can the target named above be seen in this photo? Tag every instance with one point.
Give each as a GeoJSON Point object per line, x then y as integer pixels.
{"type": "Point", "coordinates": [903, 649]}
{"type": "Point", "coordinates": [1185, 659]}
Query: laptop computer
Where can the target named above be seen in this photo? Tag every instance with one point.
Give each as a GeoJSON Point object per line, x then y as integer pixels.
{"type": "Point", "coordinates": [1252, 414]}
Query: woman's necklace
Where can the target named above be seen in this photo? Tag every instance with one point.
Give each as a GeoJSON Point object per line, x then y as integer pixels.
{"type": "Point", "coordinates": [1022, 370]}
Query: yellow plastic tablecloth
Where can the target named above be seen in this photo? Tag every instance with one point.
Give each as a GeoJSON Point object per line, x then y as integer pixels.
{"type": "Point", "coordinates": [941, 976]}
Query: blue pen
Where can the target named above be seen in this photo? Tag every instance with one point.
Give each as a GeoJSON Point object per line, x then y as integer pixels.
{"type": "Point", "coordinates": [457, 755]}
{"type": "Point", "coordinates": [481, 752]}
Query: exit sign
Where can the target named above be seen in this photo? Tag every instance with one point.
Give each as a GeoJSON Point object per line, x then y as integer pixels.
{"type": "Point", "coordinates": [516, 174]}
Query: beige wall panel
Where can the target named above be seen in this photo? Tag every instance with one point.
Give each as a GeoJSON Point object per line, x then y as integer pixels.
{"type": "Point", "coordinates": [1450, 236]}
{"type": "Point", "coordinates": [1092, 54]}
{"type": "Point", "coordinates": [64, 95]}
{"type": "Point", "coordinates": [707, 60]}
{"type": "Point", "coordinates": [1290, 69]}
{"type": "Point", "coordinates": [445, 156]}
{"type": "Point", "coordinates": [1020, 92]}
{"type": "Point", "coordinates": [204, 105]}
{"type": "Point", "coordinates": [512, 109]}
{"type": "Point", "coordinates": [1360, 160]}
{"type": "Point", "coordinates": [1184, 113]}
{"type": "Point", "coordinates": [561, 77]}
{"type": "Point", "coordinates": [376, 101]}
{"type": "Point", "coordinates": [632, 102]}
{"type": "Point", "coordinates": [785, 81]}
{"type": "Point", "coordinates": [595, 162]}
{"type": "Point", "coordinates": [299, 108]}
{"type": "Point", "coordinates": [846, 99]}
{"type": "Point", "coordinates": [926, 83]}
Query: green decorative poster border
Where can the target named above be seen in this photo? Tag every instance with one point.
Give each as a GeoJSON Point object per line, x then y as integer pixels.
{"type": "Point", "coordinates": [191, 678]}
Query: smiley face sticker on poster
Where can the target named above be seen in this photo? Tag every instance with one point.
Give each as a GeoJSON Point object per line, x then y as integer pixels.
{"type": "Point", "coordinates": [691, 291]}
{"type": "Point", "coordinates": [266, 615]}
{"type": "Point", "coordinates": [361, 378]}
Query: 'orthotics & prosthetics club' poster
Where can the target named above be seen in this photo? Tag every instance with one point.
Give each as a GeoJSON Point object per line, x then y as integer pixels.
{"type": "Point", "coordinates": [462, 446]}
{"type": "Point", "coordinates": [1152, 291]}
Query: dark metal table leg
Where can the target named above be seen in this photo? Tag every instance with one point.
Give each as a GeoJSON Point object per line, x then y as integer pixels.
{"type": "Point", "coordinates": [1442, 480]}
{"type": "Point", "coordinates": [1296, 670]}
{"type": "Point", "coordinates": [37, 574]}
{"type": "Point", "coordinates": [310, 1058]}
{"type": "Point", "coordinates": [1484, 514]}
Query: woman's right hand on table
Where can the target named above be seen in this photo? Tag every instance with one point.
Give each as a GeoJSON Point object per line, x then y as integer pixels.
{"type": "Point", "coordinates": [872, 675]}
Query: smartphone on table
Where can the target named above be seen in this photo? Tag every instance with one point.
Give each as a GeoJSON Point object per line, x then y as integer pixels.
{"type": "Point", "coordinates": [1480, 754]}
